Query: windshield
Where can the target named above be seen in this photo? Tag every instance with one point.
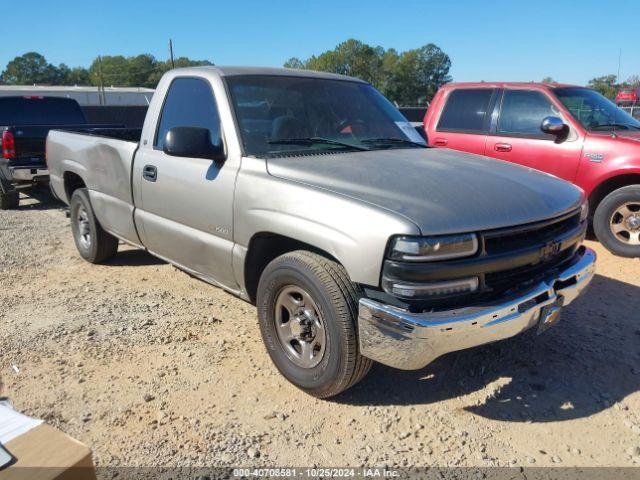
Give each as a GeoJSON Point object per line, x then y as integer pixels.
{"type": "Point", "coordinates": [595, 112]}
{"type": "Point", "coordinates": [280, 115]}
{"type": "Point", "coordinates": [40, 111]}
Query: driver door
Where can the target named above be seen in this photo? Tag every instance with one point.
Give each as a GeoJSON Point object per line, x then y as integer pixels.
{"type": "Point", "coordinates": [517, 138]}
{"type": "Point", "coordinates": [187, 203]}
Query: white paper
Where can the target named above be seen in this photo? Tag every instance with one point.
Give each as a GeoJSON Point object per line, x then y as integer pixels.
{"type": "Point", "coordinates": [410, 131]}
{"type": "Point", "coordinates": [14, 424]}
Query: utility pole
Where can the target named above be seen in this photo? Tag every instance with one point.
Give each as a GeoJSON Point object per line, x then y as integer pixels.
{"type": "Point", "coordinates": [103, 100]}
{"type": "Point", "coordinates": [173, 65]}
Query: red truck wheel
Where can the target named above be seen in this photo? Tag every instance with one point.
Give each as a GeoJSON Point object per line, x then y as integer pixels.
{"type": "Point", "coordinates": [617, 221]}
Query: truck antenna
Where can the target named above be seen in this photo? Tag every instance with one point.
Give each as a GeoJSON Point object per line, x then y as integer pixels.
{"type": "Point", "coordinates": [615, 112]}
{"type": "Point", "coordinates": [173, 65]}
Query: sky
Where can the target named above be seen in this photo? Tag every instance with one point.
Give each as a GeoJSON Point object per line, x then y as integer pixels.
{"type": "Point", "coordinates": [570, 41]}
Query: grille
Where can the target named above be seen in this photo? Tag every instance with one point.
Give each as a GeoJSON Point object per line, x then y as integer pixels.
{"type": "Point", "coordinates": [519, 277]}
{"type": "Point", "coordinates": [518, 238]}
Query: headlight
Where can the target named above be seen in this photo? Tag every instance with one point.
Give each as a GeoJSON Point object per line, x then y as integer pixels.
{"type": "Point", "coordinates": [421, 249]}
{"type": "Point", "coordinates": [584, 211]}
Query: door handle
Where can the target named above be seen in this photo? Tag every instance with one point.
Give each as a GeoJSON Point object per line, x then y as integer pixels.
{"type": "Point", "coordinates": [502, 147]}
{"type": "Point", "coordinates": [150, 173]}
{"type": "Point", "coordinates": [440, 142]}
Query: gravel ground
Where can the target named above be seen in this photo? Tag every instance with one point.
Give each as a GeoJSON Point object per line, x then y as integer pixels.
{"type": "Point", "coordinates": [151, 367]}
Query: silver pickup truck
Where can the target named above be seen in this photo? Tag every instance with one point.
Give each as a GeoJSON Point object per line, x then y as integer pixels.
{"type": "Point", "coordinates": [312, 197]}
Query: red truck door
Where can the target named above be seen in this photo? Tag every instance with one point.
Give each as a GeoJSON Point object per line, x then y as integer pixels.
{"type": "Point", "coordinates": [464, 121]}
{"type": "Point", "coordinates": [516, 135]}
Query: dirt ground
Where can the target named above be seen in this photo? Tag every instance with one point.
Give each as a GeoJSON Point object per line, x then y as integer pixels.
{"type": "Point", "coordinates": [151, 367]}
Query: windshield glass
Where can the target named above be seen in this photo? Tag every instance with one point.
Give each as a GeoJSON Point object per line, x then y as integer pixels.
{"type": "Point", "coordinates": [280, 115]}
{"type": "Point", "coordinates": [40, 111]}
{"type": "Point", "coordinates": [594, 111]}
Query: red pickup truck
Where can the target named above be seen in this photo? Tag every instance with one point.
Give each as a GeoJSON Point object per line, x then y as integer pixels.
{"type": "Point", "coordinates": [628, 96]}
{"type": "Point", "coordinates": [571, 132]}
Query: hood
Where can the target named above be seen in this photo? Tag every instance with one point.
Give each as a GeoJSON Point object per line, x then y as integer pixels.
{"type": "Point", "coordinates": [621, 135]}
{"type": "Point", "coordinates": [441, 191]}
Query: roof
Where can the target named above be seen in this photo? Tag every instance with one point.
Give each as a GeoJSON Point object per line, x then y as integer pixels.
{"type": "Point", "coordinates": [231, 71]}
{"type": "Point", "coordinates": [510, 84]}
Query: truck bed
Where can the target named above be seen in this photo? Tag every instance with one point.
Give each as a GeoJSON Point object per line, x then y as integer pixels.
{"type": "Point", "coordinates": [103, 160]}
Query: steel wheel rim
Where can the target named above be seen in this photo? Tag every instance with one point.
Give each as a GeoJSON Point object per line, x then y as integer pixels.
{"type": "Point", "coordinates": [84, 227]}
{"type": "Point", "coordinates": [300, 326]}
{"type": "Point", "coordinates": [625, 223]}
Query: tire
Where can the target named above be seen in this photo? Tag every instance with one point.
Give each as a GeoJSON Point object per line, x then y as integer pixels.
{"type": "Point", "coordinates": [616, 227]}
{"type": "Point", "coordinates": [332, 300]}
{"type": "Point", "coordinates": [94, 244]}
{"type": "Point", "coordinates": [9, 200]}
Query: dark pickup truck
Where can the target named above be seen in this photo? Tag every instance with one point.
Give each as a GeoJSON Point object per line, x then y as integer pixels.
{"type": "Point", "coordinates": [24, 125]}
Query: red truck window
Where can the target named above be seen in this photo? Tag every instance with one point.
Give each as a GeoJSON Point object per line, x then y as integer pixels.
{"type": "Point", "coordinates": [523, 111]}
{"type": "Point", "coordinates": [466, 111]}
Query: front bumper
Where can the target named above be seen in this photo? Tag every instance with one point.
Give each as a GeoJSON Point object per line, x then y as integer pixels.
{"type": "Point", "coordinates": [28, 174]}
{"type": "Point", "coordinates": [410, 341]}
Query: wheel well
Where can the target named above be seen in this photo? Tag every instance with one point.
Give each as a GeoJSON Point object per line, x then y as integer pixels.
{"type": "Point", "coordinates": [605, 188]}
{"type": "Point", "coordinates": [263, 248]}
{"type": "Point", "coordinates": [72, 181]}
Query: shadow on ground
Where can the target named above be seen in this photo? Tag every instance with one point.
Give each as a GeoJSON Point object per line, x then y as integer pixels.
{"type": "Point", "coordinates": [133, 258]}
{"type": "Point", "coordinates": [589, 361]}
{"type": "Point", "coordinates": [38, 198]}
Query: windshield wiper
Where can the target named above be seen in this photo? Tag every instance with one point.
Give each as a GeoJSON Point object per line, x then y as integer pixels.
{"type": "Point", "coordinates": [617, 125]}
{"type": "Point", "coordinates": [312, 140]}
{"type": "Point", "coordinates": [392, 140]}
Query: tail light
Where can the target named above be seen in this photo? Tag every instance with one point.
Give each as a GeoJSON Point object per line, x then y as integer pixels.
{"type": "Point", "coordinates": [8, 145]}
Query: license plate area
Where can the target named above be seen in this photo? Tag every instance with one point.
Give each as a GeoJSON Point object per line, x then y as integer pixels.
{"type": "Point", "coordinates": [550, 315]}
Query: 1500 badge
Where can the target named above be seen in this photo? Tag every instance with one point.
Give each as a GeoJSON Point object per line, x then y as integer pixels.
{"type": "Point", "coordinates": [595, 157]}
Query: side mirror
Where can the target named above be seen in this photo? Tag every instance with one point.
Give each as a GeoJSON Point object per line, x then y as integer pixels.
{"type": "Point", "coordinates": [553, 126]}
{"type": "Point", "coordinates": [193, 142]}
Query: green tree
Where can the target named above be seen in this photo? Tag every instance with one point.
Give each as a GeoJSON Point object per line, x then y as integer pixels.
{"type": "Point", "coordinates": [633, 81]}
{"type": "Point", "coordinates": [110, 71]}
{"type": "Point", "coordinates": [606, 85]}
{"type": "Point", "coordinates": [294, 62]}
{"type": "Point", "coordinates": [548, 80]}
{"type": "Point", "coordinates": [30, 68]}
{"type": "Point", "coordinates": [140, 68]}
{"type": "Point", "coordinates": [409, 78]}
{"type": "Point", "coordinates": [418, 74]}
{"type": "Point", "coordinates": [162, 67]}
{"type": "Point", "coordinates": [74, 76]}
{"type": "Point", "coordinates": [353, 58]}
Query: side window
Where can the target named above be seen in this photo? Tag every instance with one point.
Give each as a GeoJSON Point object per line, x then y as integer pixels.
{"type": "Point", "coordinates": [189, 103]}
{"type": "Point", "coordinates": [523, 111]}
{"type": "Point", "coordinates": [466, 110]}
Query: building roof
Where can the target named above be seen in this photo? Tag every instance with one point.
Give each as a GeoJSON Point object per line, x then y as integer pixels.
{"type": "Point", "coordinates": [75, 88]}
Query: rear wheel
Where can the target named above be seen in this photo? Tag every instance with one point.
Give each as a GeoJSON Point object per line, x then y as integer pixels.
{"type": "Point", "coordinates": [307, 308]}
{"type": "Point", "coordinates": [9, 200]}
{"type": "Point", "coordinates": [616, 222]}
{"type": "Point", "coordinates": [94, 244]}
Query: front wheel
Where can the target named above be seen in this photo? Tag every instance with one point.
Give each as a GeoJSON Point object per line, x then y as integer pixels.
{"type": "Point", "coordinates": [94, 244]}
{"type": "Point", "coordinates": [616, 221]}
{"type": "Point", "coordinates": [307, 308]}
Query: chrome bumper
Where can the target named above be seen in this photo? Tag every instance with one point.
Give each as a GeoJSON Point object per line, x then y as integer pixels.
{"type": "Point", "coordinates": [27, 174]}
{"type": "Point", "coordinates": [409, 341]}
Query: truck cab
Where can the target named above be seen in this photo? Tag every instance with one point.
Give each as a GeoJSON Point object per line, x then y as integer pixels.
{"type": "Point", "coordinates": [571, 132]}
